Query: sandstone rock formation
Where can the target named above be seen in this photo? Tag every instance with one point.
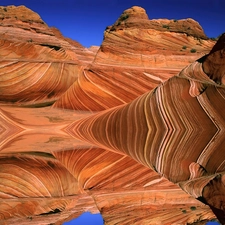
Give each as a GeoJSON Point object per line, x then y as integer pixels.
{"type": "Point", "coordinates": [46, 62]}
{"type": "Point", "coordinates": [187, 107]}
{"type": "Point", "coordinates": [160, 129]}
{"type": "Point", "coordinates": [136, 17]}
{"type": "Point", "coordinates": [141, 54]}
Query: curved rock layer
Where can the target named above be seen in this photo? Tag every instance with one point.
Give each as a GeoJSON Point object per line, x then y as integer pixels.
{"type": "Point", "coordinates": [167, 129]}
{"type": "Point", "coordinates": [100, 88]}
{"type": "Point", "coordinates": [150, 128]}
{"type": "Point", "coordinates": [159, 43]}
{"type": "Point", "coordinates": [136, 17]}
{"type": "Point", "coordinates": [150, 48]}
{"type": "Point", "coordinates": [105, 177]}
{"type": "Point", "coordinates": [18, 23]}
{"type": "Point", "coordinates": [31, 74]}
{"type": "Point", "coordinates": [54, 167]}
{"type": "Point", "coordinates": [136, 55]}
{"type": "Point", "coordinates": [28, 181]}
{"type": "Point", "coordinates": [39, 190]}
{"type": "Point", "coordinates": [47, 63]}
{"type": "Point", "coordinates": [125, 191]}
{"type": "Point", "coordinates": [37, 64]}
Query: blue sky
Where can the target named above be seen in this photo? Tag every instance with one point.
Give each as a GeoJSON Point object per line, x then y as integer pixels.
{"type": "Point", "coordinates": [86, 20]}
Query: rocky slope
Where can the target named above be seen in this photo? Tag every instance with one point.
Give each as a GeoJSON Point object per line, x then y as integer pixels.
{"type": "Point", "coordinates": [46, 62]}
{"type": "Point", "coordinates": [177, 129]}
{"type": "Point", "coordinates": [131, 48]}
{"type": "Point", "coordinates": [140, 54]}
{"type": "Point", "coordinates": [136, 17]}
{"type": "Point", "coordinates": [131, 162]}
{"type": "Point", "coordinates": [89, 178]}
{"type": "Point", "coordinates": [153, 43]}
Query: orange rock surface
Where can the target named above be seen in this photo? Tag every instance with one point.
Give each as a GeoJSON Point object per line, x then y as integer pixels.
{"type": "Point", "coordinates": [177, 129]}
{"type": "Point", "coordinates": [46, 63]}
{"type": "Point", "coordinates": [149, 156]}
{"type": "Point", "coordinates": [136, 55]}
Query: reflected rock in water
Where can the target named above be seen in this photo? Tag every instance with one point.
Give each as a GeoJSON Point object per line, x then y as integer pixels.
{"type": "Point", "coordinates": [86, 134]}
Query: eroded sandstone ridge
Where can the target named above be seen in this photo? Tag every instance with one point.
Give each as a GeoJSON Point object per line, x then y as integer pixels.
{"type": "Point", "coordinates": [153, 150]}
{"type": "Point", "coordinates": [46, 63]}
{"type": "Point", "coordinates": [138, 52]}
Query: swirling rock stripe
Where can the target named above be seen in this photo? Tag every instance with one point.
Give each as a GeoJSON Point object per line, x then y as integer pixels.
{"type": "Point", "coordinates": [118, 197]}
{"type": "Point", "coordinates": [31, 185]}
{"type": "Point", "coordinates": [98, 169]}
{"type": "Point", "coordinates": [125, 191]}
{"type": "Point", "coordinates": [149, 47]}
{"type": "Point", "coordinates": [101, 87]}
{"type": "Point", "coordinates": [131, 63]}
{"type": "Point", "coordinates": [166, 129]}
{"type": "Point", "coordinates": [21, 51]}
{"type": "Point", "coordinates": [23, 177]}
{"type": "Point", "coordinates": [32, 75]}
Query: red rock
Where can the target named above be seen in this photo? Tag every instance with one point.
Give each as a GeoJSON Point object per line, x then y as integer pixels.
{"type": "Point", "coordinates": [136, 17]}
{"type": "Point", "coordinates": [215, 61]}
{"type": "Point", "coordinates": [136, 52]}
{"type": "Point", "coordinates": [149, 129]}
{"type": "Point", "coordinates": [121, 162]}
{"type": "Point", "coordinates": [46, 62]}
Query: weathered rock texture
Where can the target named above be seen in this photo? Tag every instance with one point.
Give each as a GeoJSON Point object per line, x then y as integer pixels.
{"type": "Point", "coordinates": [45, 62]}
{"type": "Point", "coordinates": [177, 129]}
{"type": "Point", "coordinates": [136, 17]}
{"type": "Point", "coordinates": [137, 54]}
{"type": "Point", "coordinates": [156, 133]}
{"type": "Point", "coordinates": [102, 179]}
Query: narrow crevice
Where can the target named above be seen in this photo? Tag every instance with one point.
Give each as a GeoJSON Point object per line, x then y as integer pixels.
{"type": "Point", "coordinates": [57, 48]}
{"type": "Point", "coordinates": [51, 212]}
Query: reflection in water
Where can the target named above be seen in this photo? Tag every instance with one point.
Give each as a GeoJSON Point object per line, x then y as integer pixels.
{"type": "Point", "coordinates": [129, 162]}
{"type": "Point", "coordinates": [66, 162]}
{"type": "Point", "coordinates": [37, 129]}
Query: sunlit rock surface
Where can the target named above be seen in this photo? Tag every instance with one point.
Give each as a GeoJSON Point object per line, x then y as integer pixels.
{"type": "Point", "coordinates": [136, 55]}
{"type": "Point", "coordinates": [37, 64]}
{"type": "Point", "coordinates": [177, 129]}
{"type": "Point", "coordinates": [153, 155]}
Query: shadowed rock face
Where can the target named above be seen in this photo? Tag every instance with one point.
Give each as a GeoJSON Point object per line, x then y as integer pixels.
{"type": "Point", "coordinates": [214, 64]}
{"type": "Point", "coordinates": [155, 152]}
